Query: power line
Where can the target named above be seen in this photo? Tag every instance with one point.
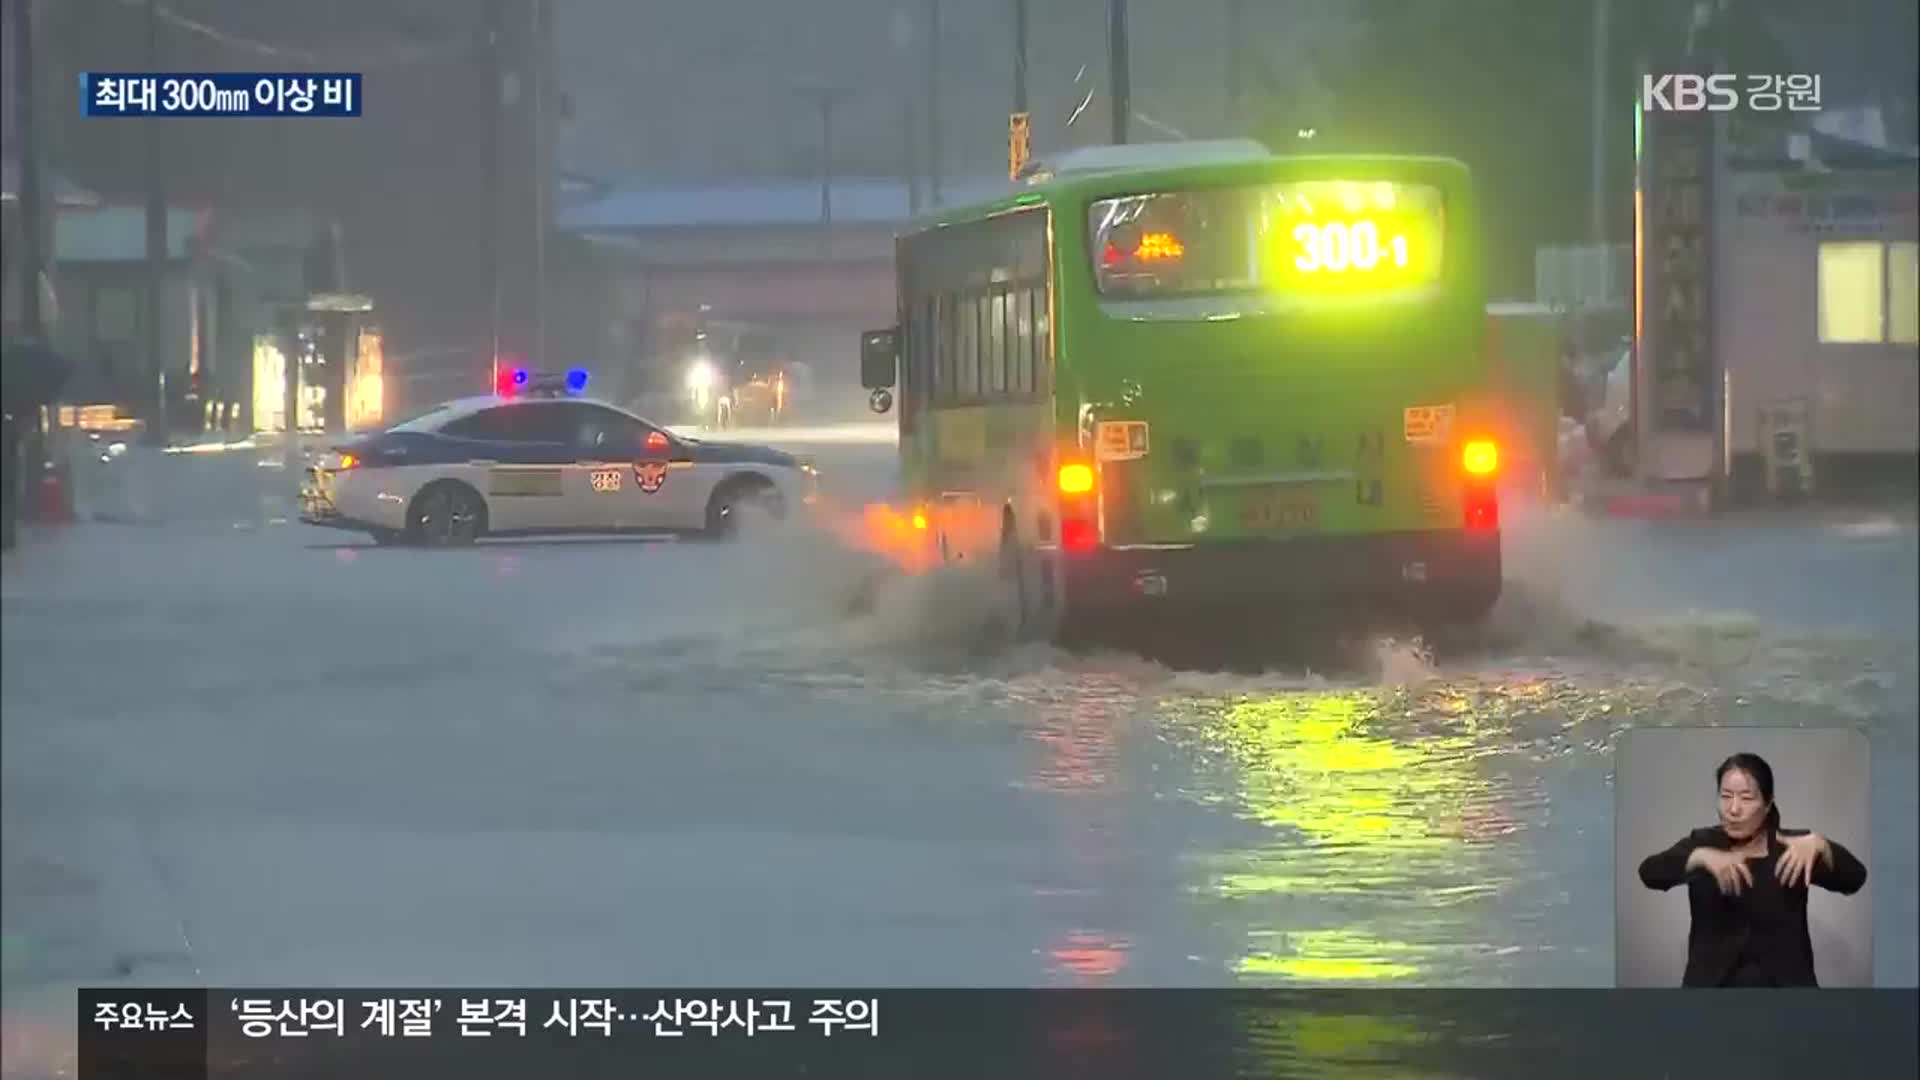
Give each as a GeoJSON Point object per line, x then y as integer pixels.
{"type": "Point", "coordinates": [426, 52]}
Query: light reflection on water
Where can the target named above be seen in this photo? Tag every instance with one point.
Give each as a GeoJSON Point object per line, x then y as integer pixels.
{"type": "Point", "coordinates": [1407, 825]}
{"type": "Point", "coordinates": [1076, 744]}
{"type": "Point", "coordinates": [1393, 822]}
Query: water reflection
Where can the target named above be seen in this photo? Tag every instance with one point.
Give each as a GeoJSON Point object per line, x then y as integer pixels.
{"type": "Point", "coordinates": [1334, 1043]}
{"type": "Point", "coordinates": [1383, 819]}
{"type": "Point", "coordinates": [1076, 756]}
{"type": "Point", "coordinates": [1089, 955]}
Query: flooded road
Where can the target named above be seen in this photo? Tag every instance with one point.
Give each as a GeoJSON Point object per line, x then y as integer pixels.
{"type": "Point", "coordinates": [273, 755]}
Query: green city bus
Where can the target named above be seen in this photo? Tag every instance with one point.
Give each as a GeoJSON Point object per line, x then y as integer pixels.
{"type": "Point", "coordinates": [1198, 375]}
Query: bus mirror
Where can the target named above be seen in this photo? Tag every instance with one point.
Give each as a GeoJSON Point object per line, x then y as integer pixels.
{"type": "Point", "coordinates": [879, 354]}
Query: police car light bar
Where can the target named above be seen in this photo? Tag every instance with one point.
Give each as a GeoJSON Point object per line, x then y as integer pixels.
{"type": "Point", "coordinates": [520, 381]}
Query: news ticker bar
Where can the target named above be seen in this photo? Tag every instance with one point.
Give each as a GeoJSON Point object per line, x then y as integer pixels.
{"type": "Point", "coordinates": [415, 1033]}
{"type": "Point", "coordinates": [219, 93]}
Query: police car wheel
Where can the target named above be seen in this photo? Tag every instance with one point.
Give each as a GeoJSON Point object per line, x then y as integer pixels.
{"type": "Point", "coordinates": [739, 498]}
{"type": "Point", "coordinates": [445, 514]}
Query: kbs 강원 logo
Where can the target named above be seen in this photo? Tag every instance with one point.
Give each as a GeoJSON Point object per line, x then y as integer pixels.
{"type": "Point", "coordinates": [1692, 93]}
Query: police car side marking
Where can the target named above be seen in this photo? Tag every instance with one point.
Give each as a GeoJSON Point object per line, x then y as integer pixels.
{"type": "Point", "coordinates": [651, 476]}
{"type": "Point", "coordinates": [523, 481]}
{"type": "Point", "coordinates": [605, 481]}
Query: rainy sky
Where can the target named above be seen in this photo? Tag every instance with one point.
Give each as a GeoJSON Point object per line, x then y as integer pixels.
{"type": "Point", "coordinates": [728, 86]}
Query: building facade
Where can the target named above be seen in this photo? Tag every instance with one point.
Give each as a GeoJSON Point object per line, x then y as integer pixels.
{"type": "Point", "coordinates": [1818, 326]}
{"type": "Point", "coordinates": [238, 316]}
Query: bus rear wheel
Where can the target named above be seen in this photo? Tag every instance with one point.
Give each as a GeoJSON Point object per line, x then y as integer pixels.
{"type": "Point", "coordinates": [1462, 605]}
{"type": "Point", "coordinates": [1030, 592]}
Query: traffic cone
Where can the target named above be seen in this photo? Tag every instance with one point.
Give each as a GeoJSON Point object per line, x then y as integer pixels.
{"type": "Point", "coordinates": [56, 503]}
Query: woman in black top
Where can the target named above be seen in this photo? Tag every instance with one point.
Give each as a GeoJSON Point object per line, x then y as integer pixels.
{"type": "Point", "coordinates": [1748, 881]}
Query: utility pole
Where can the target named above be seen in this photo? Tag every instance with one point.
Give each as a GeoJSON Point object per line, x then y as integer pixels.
{"type": "Point", "coordinates": [1597, 175]}
{"type": "Point", "coordinates": [1117, 67]}
{"type": "Point", "coordinates": [827, 98]}
{"type": "Point", "coordinates": [32, 222]}
{"type": "Point", "coordinates": [542, 163]}
{"type": "Point", "coordinates": [1020, 121]}
{"type": "Point", "coordinates": [900, 30]}
{"type": "Point", "coordinates": [493, 94]}
{"type": "Point", "coordinates": [32, 208]}
{"type": "Point", "coordinates": [933, 101]}
{"type": "Point", "coordinates": [826, 156]}
{"type": "Point", "coordinates": [156, 262]}
{"type": "Point", "coordinates": [1019, 56]}
{"type": "Point", "coordinates": [909, 167]}
{"type": "Point", "coordinates": [1236, 11]}
{"type": "Point", "coordinates": [25, 445]}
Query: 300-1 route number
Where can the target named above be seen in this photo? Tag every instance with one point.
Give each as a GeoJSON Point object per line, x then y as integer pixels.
{"type": "Point", "coordinates": [1337, 246]}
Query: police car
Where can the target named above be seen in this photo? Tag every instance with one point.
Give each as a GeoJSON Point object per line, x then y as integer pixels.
{"type": "Point", "coordinates": [540, 458]}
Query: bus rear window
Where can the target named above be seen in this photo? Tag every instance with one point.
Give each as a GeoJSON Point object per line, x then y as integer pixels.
{"type": "Point", "coordinates": [1303, 237]}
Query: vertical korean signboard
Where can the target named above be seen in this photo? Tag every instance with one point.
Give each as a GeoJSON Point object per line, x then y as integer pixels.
{"type": "Point", "coordinates": [1019, 143]}
{"type": "Point", "coordinates": [1678, 399]}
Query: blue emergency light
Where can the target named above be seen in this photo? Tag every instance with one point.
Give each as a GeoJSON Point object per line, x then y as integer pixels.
{"type": "Point", "coordinates": [539, 384]}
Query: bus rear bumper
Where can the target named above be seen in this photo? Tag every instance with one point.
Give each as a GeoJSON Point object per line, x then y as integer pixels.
{"type": "Point", "coordinates": [1456, 571]}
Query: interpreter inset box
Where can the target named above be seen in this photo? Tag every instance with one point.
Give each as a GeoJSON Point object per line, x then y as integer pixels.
{"type": "Point", "coordinates": [1742, 858]}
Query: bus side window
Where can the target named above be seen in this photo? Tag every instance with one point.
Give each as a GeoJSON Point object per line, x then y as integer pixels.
{"type": "Point", "coordinates": [1019, 355]}
{"type": "Point", "coordinates": [910, 329]}
{"type": "Point", "coordinates": [946, 327]}
{"type": "Point", "coordinates": [1021, 316]}
{"type": "Point", "coordinates": [1042, 343]}
{"type": "Point", "coordinates": [936, 335]}
{"type": "Point", "coordinates": [992, 376]}
{"type": "Point", "coordinates": [924, 329]}
{"type": "Point", "coordinates": [996, 350]}
{"type": "Point", "coordinates": [1018, 358]}
{"type": "Point", "coordinates": [967, 350]}
{"type": "Point", "coordinates": [982, 348]}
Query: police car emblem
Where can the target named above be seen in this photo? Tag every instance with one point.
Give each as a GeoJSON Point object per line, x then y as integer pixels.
{"type": "Point", "coordinates": [650, 475]}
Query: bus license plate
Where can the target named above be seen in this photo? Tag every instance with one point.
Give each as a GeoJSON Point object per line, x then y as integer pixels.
{"type": "Point", "coordinates": [1280, 510]}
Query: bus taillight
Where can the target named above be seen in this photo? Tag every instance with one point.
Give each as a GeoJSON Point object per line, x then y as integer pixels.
{"type": "Point", "coordinates": [1480, 457]}
{"type": "Point", "coordinates": [1079, 485]}
{"type": "Point", "coordinates": [1079, 535]}
{"type": "Point", "coordinates": [1483, 509]}
{"type": "Point", "coordinates": [1076, 479]}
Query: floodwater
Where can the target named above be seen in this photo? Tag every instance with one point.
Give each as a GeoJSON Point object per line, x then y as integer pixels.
{"type": "Point", "coordinates": [272, 755]}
